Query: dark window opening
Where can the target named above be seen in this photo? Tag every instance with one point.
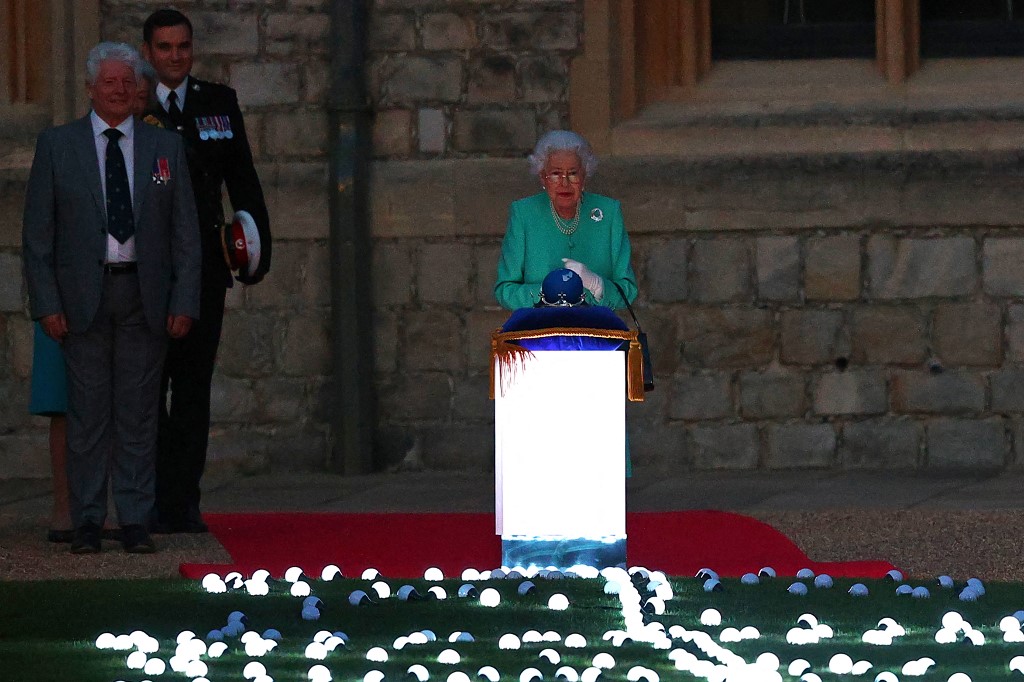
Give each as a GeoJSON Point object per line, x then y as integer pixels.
{"type": "Point", "coordinates": [972, 28]}
{"type": "Point", "coordinates": [792, 29]}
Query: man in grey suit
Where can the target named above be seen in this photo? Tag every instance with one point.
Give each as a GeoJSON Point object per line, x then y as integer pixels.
{"type": "Point", "coordinates": [112, 260]}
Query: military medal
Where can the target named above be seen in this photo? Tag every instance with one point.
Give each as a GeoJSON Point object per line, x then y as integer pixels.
{"type": "Point", "coordinates": [228, 133]}
{"type": "Point", "coordinates": [162, 171]}
{"type": "Point", "coordinates": [204, 132]}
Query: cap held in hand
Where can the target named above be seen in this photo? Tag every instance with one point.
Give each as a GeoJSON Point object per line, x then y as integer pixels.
{"type": "Point", "coordinates": [241, 242]}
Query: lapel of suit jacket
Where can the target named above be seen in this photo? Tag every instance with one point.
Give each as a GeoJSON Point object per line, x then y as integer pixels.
{"type": "Point", "coordinates": [145, 163]}
{"type": "Point", "coordinates": [85, 149]}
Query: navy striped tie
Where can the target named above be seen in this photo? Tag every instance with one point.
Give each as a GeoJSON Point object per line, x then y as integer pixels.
{"type": "Point", "coordinates": [120, 222]}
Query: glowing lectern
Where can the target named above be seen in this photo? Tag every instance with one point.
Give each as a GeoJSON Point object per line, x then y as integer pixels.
{"type": "Point", "coordinates": [560, 382]}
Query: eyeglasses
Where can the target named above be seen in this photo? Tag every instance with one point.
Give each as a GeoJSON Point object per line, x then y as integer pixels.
{"type": "Point", "coordinates": [556, 177]}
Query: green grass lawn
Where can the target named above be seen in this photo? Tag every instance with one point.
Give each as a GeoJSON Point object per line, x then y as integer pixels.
{"type": "Point", "coordinates": [48, 629]}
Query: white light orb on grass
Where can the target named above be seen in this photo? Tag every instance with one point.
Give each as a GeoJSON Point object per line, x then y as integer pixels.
{"type": "Point", "coordinates": [213, 584]}
{"type": "Point", "coordinates": [1013, 637]}
{"type": "Point", "coordinates": [216, 649]}
{"type": "Point", "coordinates": [315, 651]}
{"type": "Point", "coordinates": [293, 574]}
{"type": "Point", "coordinates": [330, 572]}
{"type": "Point", "coordinates": [449, 657]}
{"type": "Point", "coordinates": [551, 656]}
{"type": "Point", "coordinates": [858, 590]}
{"type": "Point", "coordinates": [918, 667]}
{"type": "Point", "coordinates": [639, 672]}
{"type": "Point", "coordinates": [438, 593]}
{"type": "Point", "coordinates": [959, 677]}
{"type": "Point", "coordinates": [382, 589]}
{"type": "Point", "coordinates": [377, 655]}
{"type": "Point", "coordinates": [750, 632]}
{"type": "Point", "coordinates": [551, 636]}
{"type": "Point", "coordinates": [603, 660]}
{"type": "Point", "coordinates": [712, 585]}
{"type": "Point", "coordinates": [823, 581]}
{"type": "Point", "coordinates": [300, 589]}
{"type": "Point", "coordinates": [123, 643]}
{"type": "Point", "coordinates": [509, 642]}
{"type": "Point", "coordinates": [952, 620]}
{"type": "Point", "coordinates": [567, 673]}
{"type": "Point", "coordinates": [860, 667]}
{"type": "Point", "coordinates": [575, 641]}
{"type": "Point", "coordinates": [490, 597]}
{"type": "Point", "coordinates": [253, 670]}
{"type": "Point", "coordinates": [374, 676]}
{"type": "Point", "coordinates": [433, 574]}
{"type": "Point", "coordinates": [488, 672]}
{"type": "Point", "coordinates": [810, 677]}
{"type": "Point", "coordinates": [904, 589]}
{"type": "Point", "coordinates": [749, 579]}
{"type": "Point", "coordinates": [370, 574]}
{"type": "Point", "coordinates": [319, 673]}
{"type": "Point", "coordinates": [558, 602]}
{"type": "Point", "coordinates": [798, 589]}
{"type": "Point", "coordinates": [975, 637]}
{"type": "Point", "coordinates": [419, 672]}
{"type": "Point", "coordinates": [257, 588]}
{"type": "Point", "coordinates": [530, 674]}
{"type": "Point", "coordinates": [886, 676]}
{"type": "Point", "coordinates": [730, 635]}
{"type": "Point", "coordinates": [256, 648]}
{"type": "Point", "coordinates": [261, 574]}
{"type": "Point", "coordinates": [798, 667]}
{"type": "Point", "coordinates": [107, 640]}
{"type": "Point", "coordinates": [805, 573]}
{"type": "Point", "coordinates": [471, 574]}
{"type": "Point", "coordinates": [768, 661]}
{"type": "Point", "coordinates": [841, 664]}
{"type": "Point", "coordinates": [458, 676]}
{"type": "Point", "coordinates": [136, 660]}
{"type": "Point", "coordinates": [1017, 664]}
{"type": "Point", "coordinates": [711, 617]}
{"type": "Point", "coordinates": [196, 669]}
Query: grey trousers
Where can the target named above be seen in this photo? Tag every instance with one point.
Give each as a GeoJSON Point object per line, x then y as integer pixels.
{"type": "Point", "coordinates": [114, 370]}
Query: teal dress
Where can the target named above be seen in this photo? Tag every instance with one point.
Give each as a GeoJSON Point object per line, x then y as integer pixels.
{"type": "Point", "coordinates": [49, 389]}
{"type": "Point", "coordinates": [533, 247]}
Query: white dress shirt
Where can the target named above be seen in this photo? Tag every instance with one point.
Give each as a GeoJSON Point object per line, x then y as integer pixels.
{"type": "Point", "coordinates": [162, 91]}
{"type": "Point", "coordinates": [116, 251]}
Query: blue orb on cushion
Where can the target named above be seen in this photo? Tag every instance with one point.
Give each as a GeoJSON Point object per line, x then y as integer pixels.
{"type": "Point", "coordinates": [562, 287]}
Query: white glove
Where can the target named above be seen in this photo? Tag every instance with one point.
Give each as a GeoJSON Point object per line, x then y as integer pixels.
{"type": "Point", "coordinates": [593, 283]}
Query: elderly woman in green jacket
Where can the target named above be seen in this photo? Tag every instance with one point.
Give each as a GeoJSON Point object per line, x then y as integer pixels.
{"type": "Point", "coordinates": [565, 227]}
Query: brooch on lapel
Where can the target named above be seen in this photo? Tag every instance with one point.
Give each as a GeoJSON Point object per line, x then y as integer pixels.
{"type": "Point", "coordinates": [161, 171]}
{"type": "Point", "coordinates": [214, 128]}
{"type": "Point", "coordinates": [153, 121]}
{"type": "Point", "coordinates": [597, 215]}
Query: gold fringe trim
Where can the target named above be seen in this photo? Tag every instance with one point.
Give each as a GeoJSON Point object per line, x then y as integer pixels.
{"type": "Point", "coordinates": [511, 358]}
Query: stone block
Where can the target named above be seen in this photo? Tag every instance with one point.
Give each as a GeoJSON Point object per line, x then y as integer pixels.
{"type": "Point", "coordinates": [23, 455]}
{"type": "Point", "coordinates": [461, 448]}
{"type": "Point", "coordinates": [17, 357]}
{"type": "Point", "coordinates": [316, 81]}
{"type": "Point", "coordinates": [658, 448]}
{"type": "Point", "coordinates": [316, 274]}
{"type": "Point", "coordinates": [445, 271]}
{"type": "Point", "coordinates": [421, 79]}
{"type": "Point", "coordinates": [415, 396]}
{"type": "Point", "coordinates": [12, 295]}
{"type": "Point", "coordinates": [448, 31]}
{"type": "Point", "coordinates": [973, 444]}
{"type": "Point", "coordinates": [12, 208]}
{"type": "Point", "coordinates": [431, 130]}
{"type": "Point", "coordinates": [247, 344]}
{"type": "Point", "coordinates": [393, 274]}
{"type": "Point", "coordinates": [951, 392]}
{"type": "Point", "coordinates": [385, 345]}
{"type": "Point", "coordinates": [226, 33]}
{"type": "Point", "coordinates": [889, 335]}
{"type": "Point", "coordinates": [296, 134]}
{"type": "Point", "coordinates": [14, 397]}
{"type": "Point", "coordinates": [855, 392]}
{"type": "Point", "coordinates": [968, 334]}
{"type": "Point", "coordinates": [726, 337]}
{"type": "Point", "coordinates": [433, 341]}
{"type": "Point", "coordinates": [880, 444]}
{"type": "Point", "coordinates": [392, 32]}
{"type": "Point", "coordinates": [921, 268]}
{"type": "Point", "coordinates": [392, 132]}
{"type": "Point", "coordinates": [505, 130]}
{"type": "Point", "coordinates": [1001, 259]}
{"type": "Point", "coordinates": [480, 323]}
{"type": "Point", "coordinates": [300, 448]}
{"type": "Point", "coordinates": [492, 80]}
{"type": "Point", "coordinates": [702, 396]}
{"type": "Point", "coordinates": [797, 446]}
{"type": "Point", "coordinates": [544, 79]}
{"type": "Point", "coordinates": [298, 34]}
{"type": "Point", "coordinates": [485, 258]}
{"type": "Point", "coordinates": [296, 196]}
{"type": "Point", "coordinates": [231, 400]}
{"type": "Point", "coordinates": [284, 284]}
{"type": "Point", "coordinates": [832, 268]}
{"type": "Point", "coordinates": [1007, 391]}
{"type": "Point", "coordinates": [531, 31]}
{"type": "Point", "coordinates": [814, 337]}
{"type": "Point", "coordinates": [767, 395]}
{"type": "Point", "coordinates": [260, 84]}
{"type": "Point", "coordinates": [1015, 332]}
{"type": "Point", "coordinates": [472, 400]}
{"type": "Point", "coordinates": [237, 450]}
{"type": "Point", "coordinates": [720, 271]}
{"type": "Point", "coordinates": [306, 346]}
{"type": "Point", "coordinates": [777, 261]}
{"type": "Point", "coordinates": [666, 271]}
{"type": "Point", "coordinates": [282, 400]}
{"type": "Point", "coordinates": [729, 446]}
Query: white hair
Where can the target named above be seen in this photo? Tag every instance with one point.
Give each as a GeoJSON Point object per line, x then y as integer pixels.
{"type": "Point", "coordinates": [108, 51]}
{"type": "Point", "coordinates": [562, 141]}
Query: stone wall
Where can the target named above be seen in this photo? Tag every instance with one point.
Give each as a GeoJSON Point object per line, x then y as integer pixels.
{"type": "Point", "coordinates": [856, 311]}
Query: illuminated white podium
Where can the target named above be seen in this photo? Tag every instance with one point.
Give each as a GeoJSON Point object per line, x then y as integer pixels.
{"type": "Point", "coordinates": [560, 456]}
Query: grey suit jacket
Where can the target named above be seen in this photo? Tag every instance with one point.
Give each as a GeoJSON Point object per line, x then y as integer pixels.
{"type": "Point", "coordinates": [64, 233]}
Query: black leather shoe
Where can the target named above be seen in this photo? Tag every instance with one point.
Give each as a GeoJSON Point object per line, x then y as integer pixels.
{"type": "Point", "coordinates": [194, 526]}
{"type": "Point", "coordinates": [136, 540]}
{"type": "Point", "coordinates": [87, 539]}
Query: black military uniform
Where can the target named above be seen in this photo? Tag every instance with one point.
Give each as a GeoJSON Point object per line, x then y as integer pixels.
{"type": "Point", "coordinates": [218, 155]}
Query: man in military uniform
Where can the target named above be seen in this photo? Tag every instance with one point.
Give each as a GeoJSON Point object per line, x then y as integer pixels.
{"type": "Point", "coordinates": [217, 149]}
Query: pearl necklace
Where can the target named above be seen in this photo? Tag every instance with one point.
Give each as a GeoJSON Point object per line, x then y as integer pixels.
{"type": "Point", "coordinates": [566, 227]}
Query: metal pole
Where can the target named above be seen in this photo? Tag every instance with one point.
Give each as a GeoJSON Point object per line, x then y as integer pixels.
{"type": "Point", "coordinates": [353, 404]}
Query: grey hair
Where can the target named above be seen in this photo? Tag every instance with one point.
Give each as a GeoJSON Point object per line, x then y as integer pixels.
{"type": "Point", "coordinates": [147, 71]}
{"type": "Point", "coordinates": [108, 51]}
{"type": "Point", "coordinates": [562, 141]}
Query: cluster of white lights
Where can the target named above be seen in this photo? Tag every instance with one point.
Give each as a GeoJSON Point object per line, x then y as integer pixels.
{"type": "Point", "coordinates": [638, 611]}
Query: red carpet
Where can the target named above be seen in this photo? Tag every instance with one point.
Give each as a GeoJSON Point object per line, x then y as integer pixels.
{"type": "Point", "coordinates": [405, 545]}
